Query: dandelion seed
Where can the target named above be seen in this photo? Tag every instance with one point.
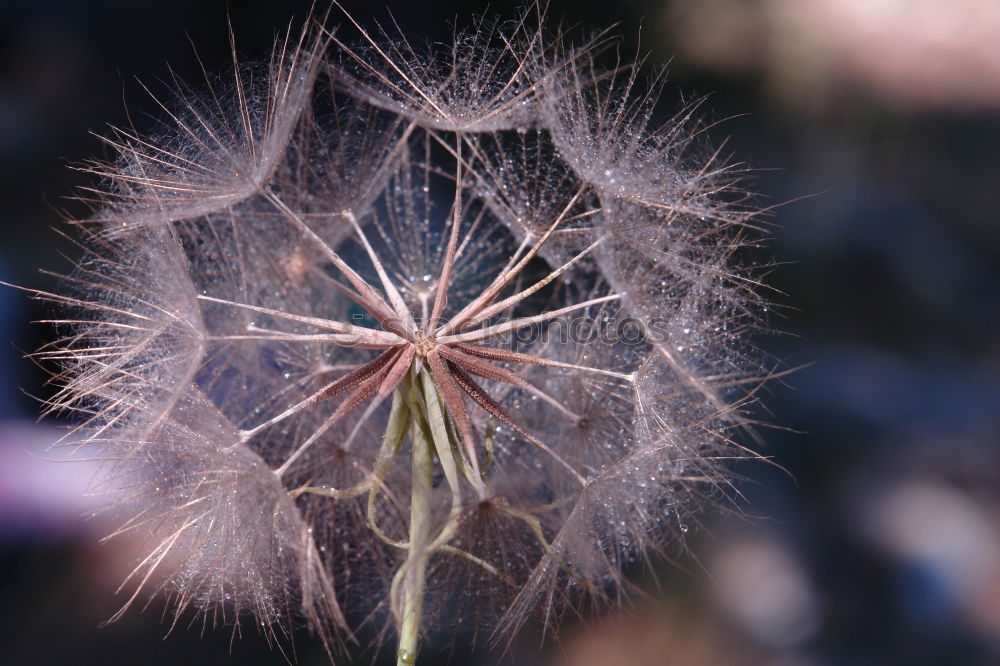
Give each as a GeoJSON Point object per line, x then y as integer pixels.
{"type": "Point", "coordinates": [388, 317]}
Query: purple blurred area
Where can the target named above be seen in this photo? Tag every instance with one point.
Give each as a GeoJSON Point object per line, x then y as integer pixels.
{"type": "Point", "coordinates": [874, 537]}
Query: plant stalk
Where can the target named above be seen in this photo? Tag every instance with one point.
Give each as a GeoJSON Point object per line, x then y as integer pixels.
{"type": "Point", "coordinates": [415, 567]}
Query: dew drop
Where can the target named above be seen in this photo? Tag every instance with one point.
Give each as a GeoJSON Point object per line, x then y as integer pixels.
{"type": "Point", "coordinates": [405, 656]}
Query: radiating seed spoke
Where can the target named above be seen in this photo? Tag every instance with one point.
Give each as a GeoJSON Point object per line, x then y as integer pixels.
{"type": "Point", "coordinates": [345, 383]}
{"type": "Point", "coordinates": [486, 370]}
{"type": "Point", "coordinates": [456, 407]}
{"type": "Point", "coordinates": [483, 399]}
{"type": "Point", "coordinates": [507, 356]}
{"type": "Point", "coordinates": [516, 324]}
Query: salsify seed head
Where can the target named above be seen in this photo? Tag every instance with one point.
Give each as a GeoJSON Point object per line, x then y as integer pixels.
{"type": "Point", "coordinates": [495, 246]}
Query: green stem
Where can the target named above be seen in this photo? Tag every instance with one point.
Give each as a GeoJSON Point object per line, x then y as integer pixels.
{"type": "Point", "coordinates": [415, 567]}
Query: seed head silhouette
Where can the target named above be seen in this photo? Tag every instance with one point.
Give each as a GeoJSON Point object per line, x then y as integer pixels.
{"type": "Point", "coordinates": [427, 335]}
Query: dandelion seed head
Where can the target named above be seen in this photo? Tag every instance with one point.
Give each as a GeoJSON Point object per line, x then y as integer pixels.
{"type": "Point", "coordinates": [460, 324]}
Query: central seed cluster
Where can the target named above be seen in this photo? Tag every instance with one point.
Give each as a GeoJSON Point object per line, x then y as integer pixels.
{"type": "Point", "coordinates": [422, 344]}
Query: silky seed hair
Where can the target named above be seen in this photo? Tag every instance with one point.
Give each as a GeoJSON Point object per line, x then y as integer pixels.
{"type": "Point", "coordinates": [492, 260]}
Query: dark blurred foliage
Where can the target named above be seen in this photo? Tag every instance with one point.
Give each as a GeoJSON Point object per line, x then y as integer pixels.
{"type": "Point", "coordinates": [878, 537]}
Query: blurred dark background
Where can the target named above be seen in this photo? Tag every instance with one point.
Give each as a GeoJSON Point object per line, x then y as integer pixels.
{"type": "Point", "coordinates": [877, 121]}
